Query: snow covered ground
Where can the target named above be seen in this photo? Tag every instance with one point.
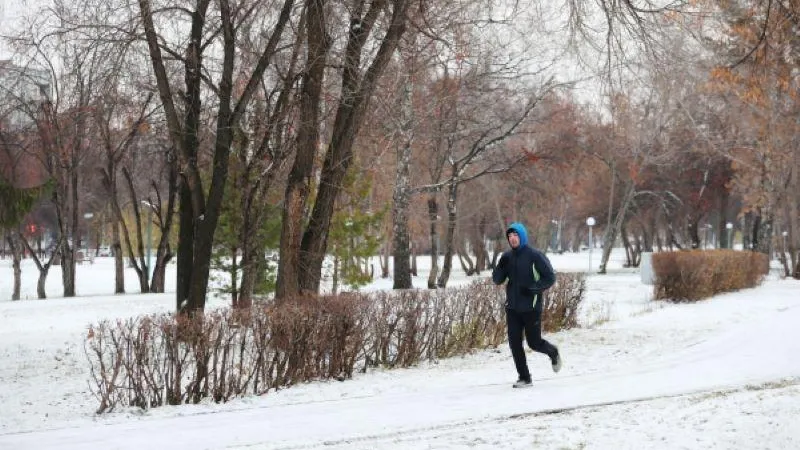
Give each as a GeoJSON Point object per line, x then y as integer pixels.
{"type": "Point", "coordinates": [723, 373]}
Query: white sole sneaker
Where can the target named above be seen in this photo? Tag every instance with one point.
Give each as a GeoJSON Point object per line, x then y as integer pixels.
{"type": "Point", "coordinates": [557, 364]}
{"type": "Point", "coordinates": [521, 384]}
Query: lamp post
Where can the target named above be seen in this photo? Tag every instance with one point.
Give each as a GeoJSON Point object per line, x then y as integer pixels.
{"type": "Point", "coordinates": [590, 222]}
{"type": "Point", "coordinates": [729, 227]}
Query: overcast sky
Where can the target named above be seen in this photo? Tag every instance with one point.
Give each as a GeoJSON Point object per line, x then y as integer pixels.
{"type": "Point", "coordinates": [11, 12]}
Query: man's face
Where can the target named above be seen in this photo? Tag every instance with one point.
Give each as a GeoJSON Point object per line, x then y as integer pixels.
{"type": "Point", "coordinates": [513, 239]}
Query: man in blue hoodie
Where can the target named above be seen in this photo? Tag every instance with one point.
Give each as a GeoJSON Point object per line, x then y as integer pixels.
{"type": "Point", "coordinates": [529, 274]}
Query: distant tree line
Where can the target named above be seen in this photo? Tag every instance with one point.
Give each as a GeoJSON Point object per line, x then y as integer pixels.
{"type": "Point", "coordinates": [257, 137]}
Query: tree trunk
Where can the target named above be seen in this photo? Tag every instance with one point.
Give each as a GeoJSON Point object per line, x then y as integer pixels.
{"type": "Point", "coordinates": [72, 230]}
{"type": "Point", "coordinates": [41, 289]}
{"type": "Point", "coordinates": [252, 265]}
{"type": "Point", "coordinates": [292, 260]}
{"type": "Point", "coordinates": [15, 263]}
{"type": "Point", "coordinates": [414, 255]}
{"type": "Point", "coordinates": [433, 219]}
{"type": "Point", "coordinates": [449, 239]}
{"type": "Point", "coordinates": [465, 261]}
{"type": "Point", "coordinates": [234, 271]}
{"type": "Point", "coordinates": [651, 235]}
{"type": "Point", "coordinates": [193, 198]}
{"type": "Point", "coordinates": [384, 260]}
{"type": "Point", "coordinates": [609, 227]}
{"type": "Point", "coordinates": [251, 241]}
{"type": "Point", "coordinates": [159, 272]}
{"type": "Point", "coordinates": [199, 215]}
{"type": "Point", "coordinates": [401, 199]}
{"type": "Point", "coordinates": [335, 287]}
{"type": "Point", "coordinates": [68, 269]}
{"type": "Point", "coordinates": [794, 219]}
{"type": "Point", "coordinates": [623, 232]}
{"type": "Point", "coordinates": [614, 230]}
{"type": "Point", "coordinates": [140, 266]}
{"type": "Point", "coordinates": [356, 91]}
{"type": "Point", "coordinates": [119, 264]}
{"type": "Point", "coordinates": [479, 247]}
{"type": "Point", "coordinates": [694, 232]}
{"type": "Point", "coordinates": [401, 196]}
{"type": "Point", "coordinates": [110, 183]}
{"type": "Point", "coordinates": [722, 232]}
{"type": "Point", "coordinates": [206, 223]}
{"type": "Point", "coordinates": [164, 253]}
{"type": "Point", "coordinates": [747, 241]}
{"type": "Point", "coordinates": [762, 232]}
{"type": "Point", "coordinates": [185, 248]}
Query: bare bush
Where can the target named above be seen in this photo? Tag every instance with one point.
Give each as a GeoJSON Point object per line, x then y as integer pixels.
{"type": "Point", "coordinates": [164, 359]}
{"type": "Point", "coordinates": [563, 301]}
{"type": "Point", "coordinates": [698, 274]}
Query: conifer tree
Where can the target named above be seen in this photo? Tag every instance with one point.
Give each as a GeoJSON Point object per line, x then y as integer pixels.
{"type": "Point", "coordinates": [355, 233]}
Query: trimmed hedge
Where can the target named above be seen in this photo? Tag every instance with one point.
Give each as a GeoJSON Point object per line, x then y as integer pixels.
{"type": "Point", "coordinates": [688, 276]}
{"type": "Point", "coordinates": [164, 359]}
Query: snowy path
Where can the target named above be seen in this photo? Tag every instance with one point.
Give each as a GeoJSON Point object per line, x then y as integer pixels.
{"type": "Point", "coordinates": [747, 352]}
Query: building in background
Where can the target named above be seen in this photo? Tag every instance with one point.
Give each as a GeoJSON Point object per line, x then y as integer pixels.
{"type": "Point", "coordinates": [24, 92]}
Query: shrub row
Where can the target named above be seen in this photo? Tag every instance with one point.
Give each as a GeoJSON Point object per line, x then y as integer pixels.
{"type": "Point", "coordinates": [163, 359]}
{"type": "Point", "coordinates": [697, 274]}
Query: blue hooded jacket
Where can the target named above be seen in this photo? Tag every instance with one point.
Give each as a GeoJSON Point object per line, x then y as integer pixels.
{"type": "Point", "coordinates": [528, 272]}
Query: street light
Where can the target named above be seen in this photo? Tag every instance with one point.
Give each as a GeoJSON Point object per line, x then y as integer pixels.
{"type": "Point", "coordinates": [590, 222]}
{"type": "Point", "coordinates": [729, 227]}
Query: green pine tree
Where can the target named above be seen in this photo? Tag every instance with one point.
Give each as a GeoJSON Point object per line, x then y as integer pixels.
{"type": "Point", "coordinates": [225, 259]}
{"type": "Point", "coordinates": [354, 235]}
{"type": "Point", "coordinates": [17, 203]}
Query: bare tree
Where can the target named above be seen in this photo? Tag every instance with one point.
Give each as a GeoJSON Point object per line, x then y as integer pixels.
{"type": "Point", "coordinates": [757, 48]}
{"type": "Point", "coordinates": [199, 213]}
{"type": "Point", "coordinates": [20, 174]}
{"type": "Point", "coordinates": [374, 29]}
{"type": "Point", "coordinates": [459, 105]}
{"type": "Point", "coordinates": [70, 68]}
{"type": "Point", "coordinates": [110, 110]}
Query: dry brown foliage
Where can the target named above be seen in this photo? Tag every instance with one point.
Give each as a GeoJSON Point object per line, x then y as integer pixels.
{"type": "Point", "coordinates": [164, 359]}
{"type": "Point", "coordinates": [688, 276]}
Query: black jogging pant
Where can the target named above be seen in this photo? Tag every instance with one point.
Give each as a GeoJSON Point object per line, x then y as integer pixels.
{"type": "Point", "coordinates": [529, 323]}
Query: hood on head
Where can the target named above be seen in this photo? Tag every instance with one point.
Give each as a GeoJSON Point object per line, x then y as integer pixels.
{"type": "Point", "coordinates": [521, 231]}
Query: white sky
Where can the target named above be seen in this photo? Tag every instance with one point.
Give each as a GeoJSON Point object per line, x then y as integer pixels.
{"type": "Point", "coordinates": [10, 12]}
{"type": "Point", "coordinates": [722, 373]}
{"type": "Point", "coordinates": [538, 29]}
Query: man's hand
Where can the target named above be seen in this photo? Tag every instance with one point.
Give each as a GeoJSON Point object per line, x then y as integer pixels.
{"type": "Point", "coordinates": [503, 263]}
{"type": "Point", "coordinates": [500, 272]}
